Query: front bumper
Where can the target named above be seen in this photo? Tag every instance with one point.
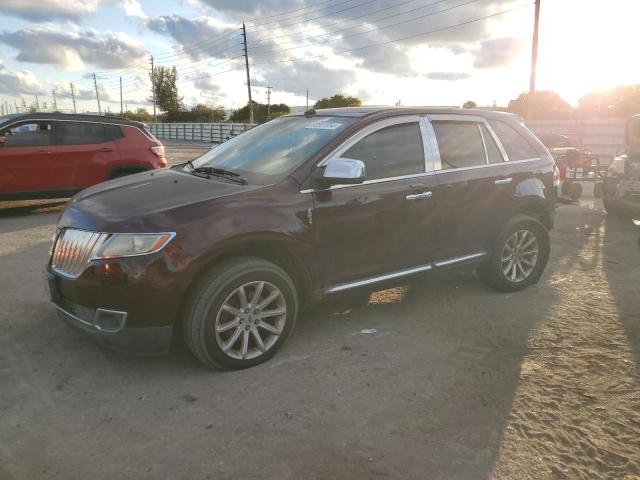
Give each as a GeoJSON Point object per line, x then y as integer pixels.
{"type": "Point", "coordinates": [122, 313]}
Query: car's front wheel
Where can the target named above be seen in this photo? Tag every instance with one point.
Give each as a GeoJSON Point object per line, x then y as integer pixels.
{"type": "Point", "coordinates": [240, 313]}
{"type": "Point", "coordinates": [519, 255]}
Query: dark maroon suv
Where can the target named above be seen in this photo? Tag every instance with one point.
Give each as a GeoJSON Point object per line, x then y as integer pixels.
{"type": "Point", "coordinates": [224, 250]}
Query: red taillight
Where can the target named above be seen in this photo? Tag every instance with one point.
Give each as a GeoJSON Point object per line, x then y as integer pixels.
{"type": "Point", "coordinates": [158, 150]}
{"type": "Point", "coordinates": [556, 176]}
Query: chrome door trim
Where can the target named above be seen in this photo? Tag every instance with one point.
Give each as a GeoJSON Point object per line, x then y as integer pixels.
{"type": "Point", "coordinates": [368, 281]}
{"type": "Point", "coordinates": [368, 182]}
{"type": "Point", "coordinates": [494, 135]}
{"type": "Point", "coordinates": [401, 273]}
{"type": "Point", "coordinates": [462, 259]}
{"type": "Point", "coordinates": [436, 163]}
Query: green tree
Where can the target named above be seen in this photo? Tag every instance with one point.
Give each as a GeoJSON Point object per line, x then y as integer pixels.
{"type": "Point", "coordinates": [469, 104]}
{"type": "Point", "coordinates": [140, 115]}
{"type": "Point", "coordinates": [546, 105]}
{"type": "Point", "coordinates": [164, 80]}
{"type": "Point", "coordinates": [338, 101]}
{"type": "Point", "coordinates": [259, 112]}
{"type": "Point", "coordinates": [202, 113]}
{"type": "Point", "coordinates": [621, 101]}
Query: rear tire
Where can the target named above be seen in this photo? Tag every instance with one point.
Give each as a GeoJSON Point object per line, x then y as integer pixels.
{"type": "Point", "coordinates": [518, 257]}
{"type": "Point", "coordinates": [229, 321]}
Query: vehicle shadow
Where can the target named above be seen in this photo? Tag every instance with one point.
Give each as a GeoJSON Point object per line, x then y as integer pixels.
{"type": "Point", "coordinates": [26, 207]}
{"type": "Point", "coordinates": [412, 382]}
{"type": "Point", "coordinates": [621, 247]}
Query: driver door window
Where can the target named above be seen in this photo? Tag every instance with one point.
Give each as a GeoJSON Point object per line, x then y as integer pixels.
{"type": "Point", "coordinates": [30, 134]}
{"type": "Point", "coordinates": [390, 152]}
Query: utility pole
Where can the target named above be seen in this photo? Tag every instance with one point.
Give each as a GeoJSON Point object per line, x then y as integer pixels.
{"type": "Point", "coordinates": [246, 62]}
{"type": "Point", "coordinates": [269, 102]}
{"type": "Point", "coordinates": [55, 103]}
{"type": "Point", "coordinates": [153, 86]}
{"type": "Point", "coordinates": [307, 99]}
{"type": "Point", "coordinates": [121, 111]}
{"type": "Point", "coordinates": [37, 104]}
{"type": "Point", "coordinates": [95, 84]}
{"type": "Point", "coordinates": [73, 97]}
{"type": "Point", "coordinates": [534, 62]}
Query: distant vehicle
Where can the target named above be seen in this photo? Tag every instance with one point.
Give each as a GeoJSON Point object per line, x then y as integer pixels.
{"type": "Point", "coordinates": [48, 155]}
{"type": "Point", "coordinates": [224, 249]}
{"type": "Point", "coordinates": [621, 185]}
{"type": "Point", "coordinates": [575, 164]}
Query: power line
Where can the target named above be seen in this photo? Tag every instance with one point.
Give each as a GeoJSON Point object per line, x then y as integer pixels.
{"type": "Point", "coordinates": [399, 39]}
{"type": "Point", "coordinates": [377, 28]}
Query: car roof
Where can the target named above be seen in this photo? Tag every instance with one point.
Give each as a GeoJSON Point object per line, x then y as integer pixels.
{"type": "Point", "coordinates": [71, 116]}
{"type": "Point", "coordinates": [384, 111]}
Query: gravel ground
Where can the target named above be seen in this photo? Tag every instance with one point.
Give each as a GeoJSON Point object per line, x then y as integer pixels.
{"type": "Point", "coordinates": [457, 382]}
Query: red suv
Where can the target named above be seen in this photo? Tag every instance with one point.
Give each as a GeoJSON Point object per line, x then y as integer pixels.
{"type": "Point", "coordinates": [48, 155]}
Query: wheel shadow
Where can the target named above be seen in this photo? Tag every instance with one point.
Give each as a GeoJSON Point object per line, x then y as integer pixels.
{"type": "Point", "coordinates": [28, 207]}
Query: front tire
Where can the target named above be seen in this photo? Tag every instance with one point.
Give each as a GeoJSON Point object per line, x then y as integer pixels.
{"type": "Point", "coordinates": [240, 313]}
{"type": "Point", "coordinates": [518, 257]}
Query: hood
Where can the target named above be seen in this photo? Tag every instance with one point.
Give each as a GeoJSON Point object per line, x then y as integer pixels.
{"type": "Point", "coordinates": [141, 201]}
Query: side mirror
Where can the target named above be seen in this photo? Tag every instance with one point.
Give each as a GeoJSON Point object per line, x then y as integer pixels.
{"type": "Point", "coordinates": [342, 171]}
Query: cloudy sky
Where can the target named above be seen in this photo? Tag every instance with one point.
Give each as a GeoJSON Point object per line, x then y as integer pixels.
{"type": "Point", "coordinates": [418, 52]}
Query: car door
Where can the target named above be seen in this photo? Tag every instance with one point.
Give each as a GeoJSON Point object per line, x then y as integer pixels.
{"type": "Point", "coordinates": [382, 225]}
{"type": "Point", "coordinates": [83, 153]}
{"type": "Point", "coordinates": [472, 190]}
{"type": "Point", "coordinates": [26, 154]}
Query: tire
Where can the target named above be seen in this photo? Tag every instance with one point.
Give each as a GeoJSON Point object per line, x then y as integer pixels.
{"type": "Point", "coordinates": [204, 315]}
{"type": "Point", "coordinates": [609, 206]}
{"type": "Point", "coordinates": [575, 191]}
{"type": "Point", "coordinates": [124, 173]}
{"type": "Point", "coordinates": [492, 272]}
{"type": "Point", "coordinates": [566, 187]}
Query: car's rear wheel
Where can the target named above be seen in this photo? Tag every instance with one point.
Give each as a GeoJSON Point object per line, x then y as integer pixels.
{"type": "Point", "coordinates": [240, 313]}
{"type": "Point", "coordinates": [518, 257]}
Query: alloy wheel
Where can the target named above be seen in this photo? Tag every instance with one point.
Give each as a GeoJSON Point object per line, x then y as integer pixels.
{"type": "Point", "coordinates": [250, 320]}
{"type": "Point", "coordinates": [519, 256]}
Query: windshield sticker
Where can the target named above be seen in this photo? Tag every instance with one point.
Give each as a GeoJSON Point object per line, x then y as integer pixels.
{"type": "Point", "coordinates": [324, 125]}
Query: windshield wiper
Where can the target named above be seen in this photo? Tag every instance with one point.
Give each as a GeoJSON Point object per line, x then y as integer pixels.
{"type": "Point", "coordinates": [219, 172]}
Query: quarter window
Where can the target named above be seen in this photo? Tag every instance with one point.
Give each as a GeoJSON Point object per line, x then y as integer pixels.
{"type": "Point", "coordinates": [390, 152]}
{"type": "Point", "coordinates": [30, 134]}
{"type": "Point", "coordinates": [460, 144]}
{"type": "Point", "coordinates": [79, 133]}
{"type": "Point", "coordinates": [516, 146]}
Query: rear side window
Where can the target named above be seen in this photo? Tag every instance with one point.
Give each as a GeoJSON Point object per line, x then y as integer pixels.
{"type": "Point", "coordinates": [79, 133]}
{"type": "Point", "coordinates": [390, 152]}
{"type": "Point", "coordinates": [460, 144]}
{"type": "Point", "coordinates": [112, 132]}
{"type": "Point", "coordinates": [516, 146]}
{"type": "Point", "coordinates": [28, 134]}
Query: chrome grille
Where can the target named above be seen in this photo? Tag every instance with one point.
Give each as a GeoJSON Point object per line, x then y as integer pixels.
{"type": "Point", "coordinates": [74, 249]}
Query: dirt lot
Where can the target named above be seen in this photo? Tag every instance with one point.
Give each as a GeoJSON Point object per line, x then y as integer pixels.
{"type": "Point", "coordinates": [457, 382]}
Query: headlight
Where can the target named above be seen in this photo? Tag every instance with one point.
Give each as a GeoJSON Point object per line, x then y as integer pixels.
{"type": "Point", "coordinates": [131, 244]}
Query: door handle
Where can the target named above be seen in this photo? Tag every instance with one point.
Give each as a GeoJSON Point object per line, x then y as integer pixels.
{"type": "Point", "coordinates": [419, 196]}
{"type": "Point", "coordinates": [43, 151]}
{"type": "Point", "coordinates": [503, 181]}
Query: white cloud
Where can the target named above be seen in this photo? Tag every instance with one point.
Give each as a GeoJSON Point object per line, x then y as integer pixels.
{"type": "Point", "coordinates": [48, 44]}
{"type": "Point", "coordinates": [21, 82]}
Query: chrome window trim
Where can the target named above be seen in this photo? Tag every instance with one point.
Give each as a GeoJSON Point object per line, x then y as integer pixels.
{"type": "Point", "coordinates": [484, 145]}
{"type": "Point", "coordinates": [474, 119]}
{"type": "Point", "coordinates": [368, 130]}
{"type": "Point", "coordinates": [374, 127]}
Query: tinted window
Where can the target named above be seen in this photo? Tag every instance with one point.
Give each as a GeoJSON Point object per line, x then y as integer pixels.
{"type": "Point", "coordinates": [493, 153]}
{"type": "Point", "coordinates": [112, 132]}
{"type": "Point", "coordinates": [28, 134]}
{"type": "Point", "coordinates": [460, 144]}
{"type": "Point", "coordinates": [516, 146]}
{"type": "Point", "coordinates": [79, 133]}
{"type": "Point", "coordinates": [390, 152]}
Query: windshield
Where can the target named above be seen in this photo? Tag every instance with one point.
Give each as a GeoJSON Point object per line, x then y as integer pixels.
{"type": "Point", "coordinates": [269, 152]}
